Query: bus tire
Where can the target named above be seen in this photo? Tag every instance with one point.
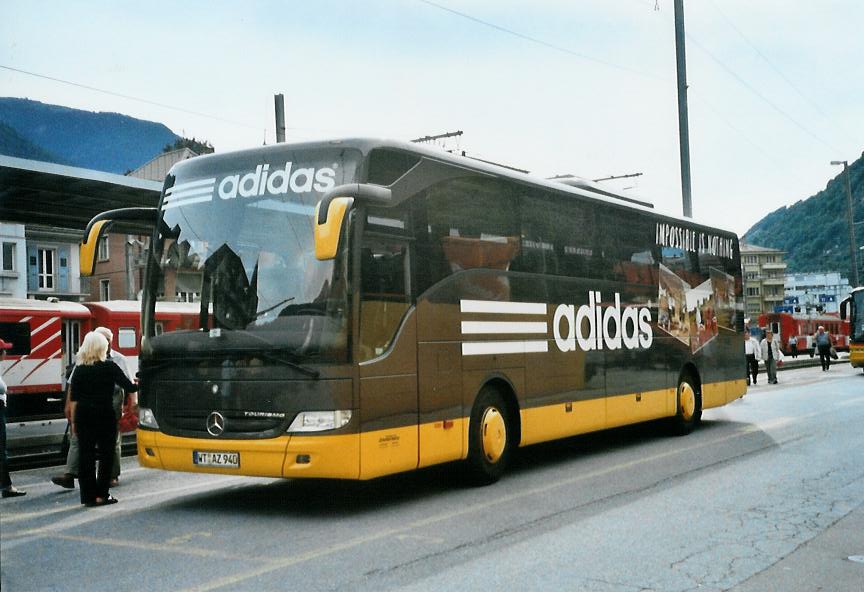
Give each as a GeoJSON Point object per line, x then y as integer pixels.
{"type": "Point", "coordinates": [688, 403]}
{"type": "Point", "coordinates": [489, 438]}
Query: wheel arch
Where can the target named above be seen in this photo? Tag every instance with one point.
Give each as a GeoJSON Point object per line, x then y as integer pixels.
{"type": "Point", "coordinates": [508, 392]}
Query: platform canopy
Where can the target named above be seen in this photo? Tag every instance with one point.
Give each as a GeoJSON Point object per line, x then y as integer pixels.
{"type": "Point", "coordinates": [44, 193]}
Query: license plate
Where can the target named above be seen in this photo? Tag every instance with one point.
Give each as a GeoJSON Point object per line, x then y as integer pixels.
{"type": "Point", "coordinates": [230, 460]}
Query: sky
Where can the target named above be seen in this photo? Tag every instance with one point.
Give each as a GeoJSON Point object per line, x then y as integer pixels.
{"type": "Point", "coordinates": [582, 87]}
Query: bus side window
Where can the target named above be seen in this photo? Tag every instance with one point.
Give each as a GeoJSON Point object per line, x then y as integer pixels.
{"type": "Point", "coordinates": [384, 292]}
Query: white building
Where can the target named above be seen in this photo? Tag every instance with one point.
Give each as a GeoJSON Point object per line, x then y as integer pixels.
{"type": "Point", "coordinates": [13, 268]}
{"type": "Point", "coordinates": [808, 291]}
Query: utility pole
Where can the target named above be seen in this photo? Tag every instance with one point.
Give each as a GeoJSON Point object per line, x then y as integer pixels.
{"type": "Point", "coordinates": [280, 117]}
{"type": "Point", "coordinates": [853, 248]}
{"type": "Point", "coordinates": [683, 130]}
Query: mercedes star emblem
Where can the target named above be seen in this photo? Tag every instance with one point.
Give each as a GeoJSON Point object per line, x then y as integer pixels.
{"type": "Point", "coordinates": [215, 424]}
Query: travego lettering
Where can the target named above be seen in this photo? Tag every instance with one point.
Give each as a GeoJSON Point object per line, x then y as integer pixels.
{"type": "Point", "coordinates": [593, 328]}
{"type": "Point", "coordinates": [263, 181]}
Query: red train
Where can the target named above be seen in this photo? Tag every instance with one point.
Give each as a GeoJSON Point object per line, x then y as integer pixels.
{"type": "Point", "coordinates": [784, 325]}
{"type": "Point", "coordinates": [45, 336]}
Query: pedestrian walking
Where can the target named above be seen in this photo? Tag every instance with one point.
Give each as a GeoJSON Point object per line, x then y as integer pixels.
{"type": "Point", "coordinates": [67, 478]}
{"type": "Point", "coordinates": [753, 354]}
{"type": "Point", "coordinates": [793, 346]}
{"type": "Point", "coordinates": [6, 487]}
{"type": "Point", "coordinates": [771, 355]}
{"type": "Point", "coordinates": [93, 418]}
{"type": "Point", "coordinates": [823, 344]}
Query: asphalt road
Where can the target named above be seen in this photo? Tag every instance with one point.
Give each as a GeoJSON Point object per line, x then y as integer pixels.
{"type": "Point", "coordinates": [767, 493]}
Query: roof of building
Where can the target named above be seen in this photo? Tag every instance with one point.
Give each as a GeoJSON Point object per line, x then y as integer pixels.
{"type": "Point", "coordinates": [156, 169]}
{"type": "Point", "coordinates": [747, 248]}
{"type": "Point", "coordinates": [36, 192]}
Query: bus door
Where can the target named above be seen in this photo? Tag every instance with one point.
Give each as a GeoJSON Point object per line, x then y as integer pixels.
{"type": "Point", "coordinates": [387, 350]}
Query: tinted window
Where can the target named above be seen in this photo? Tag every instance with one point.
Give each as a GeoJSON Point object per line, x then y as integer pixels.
{"type": "Point", "coordinates": [469, 223]}
{"type": "Point", "coordinates": [627, 246]}
{"type": "Point", "coordinates": [386, 166]}
{"type": "Point", "coordinates": [558, 236]}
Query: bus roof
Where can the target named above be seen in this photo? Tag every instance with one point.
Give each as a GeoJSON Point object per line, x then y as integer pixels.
{"type": "Point", "coordinates": [61, 306]}
{"type": "Point", "coordinates": [366, 145]}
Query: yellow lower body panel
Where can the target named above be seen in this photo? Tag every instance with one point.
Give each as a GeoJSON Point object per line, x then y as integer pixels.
{"type": "Point", "coordinates": [442, 441]}
{"type": "Point", "coordinates": [384, 452]}
{"type": "Point", "coordinates": [541, 424]}
{"type": "Point", "coordinates": [856, 356]}
{"type": "Point", "coordinates": [628, 409]}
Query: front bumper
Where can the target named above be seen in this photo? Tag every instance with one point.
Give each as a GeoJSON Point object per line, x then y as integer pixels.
{"type": "Point", "coordinates": [289, 456]}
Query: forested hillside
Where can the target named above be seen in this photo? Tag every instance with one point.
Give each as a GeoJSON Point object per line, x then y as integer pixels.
{"type": "Point", "coordinates": [814, 232]}
{"type": "Point", "coordinates": [108, 142]}
{"type": "Point", "coordinates": [12, 144]}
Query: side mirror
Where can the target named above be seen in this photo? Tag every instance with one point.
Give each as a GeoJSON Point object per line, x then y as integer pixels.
{"type": "Point", "coordinates": [330, 214]}
{"type": "Point", "coordinates": [328, 226]}
{"type": "Point", "coordinates": [136, 220]}
{"type": "Point", "coordinates": [87, 249]}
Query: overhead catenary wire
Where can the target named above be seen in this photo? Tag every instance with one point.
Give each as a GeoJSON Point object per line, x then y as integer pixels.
{"type": "Point", "coordinates": [757, 94]}
{"type": "Point", "coordinates": [155, 103]}
{"type": "Point", "coordinates": [771, 64]}
{"type": "Point", "coordinates": [538, 41]}
{"type": "Point", "coordinates": [634, 71]}
{"type": "Point", "coordinates": [130, 97]}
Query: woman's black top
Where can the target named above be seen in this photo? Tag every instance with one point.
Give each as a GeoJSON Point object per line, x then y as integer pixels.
{"type": "Point", "coordinates": [94, 384]}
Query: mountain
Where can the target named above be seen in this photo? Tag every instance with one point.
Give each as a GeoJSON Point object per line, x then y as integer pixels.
{"type": "Point", "coordinates": [108, 142]}
{"type": "Point", "coordinates": [815, 232]}
{"type": "Point", "coordinates": [12, 144]}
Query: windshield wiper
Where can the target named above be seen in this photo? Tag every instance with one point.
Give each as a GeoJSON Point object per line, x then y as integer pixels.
{"type": "Point", "coordinates": [278, 304]}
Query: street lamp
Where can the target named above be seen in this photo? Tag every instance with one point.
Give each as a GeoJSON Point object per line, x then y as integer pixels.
{"type": "Point", "coordinates": [852, 250]}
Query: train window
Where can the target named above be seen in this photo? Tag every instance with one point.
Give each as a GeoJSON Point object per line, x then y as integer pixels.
{"type": "Point", "coordinates": [160, 328]}
{"type": "Point", "coordinates": [18, 334]}
{"type": "Point", "coordinates": [126, 338]}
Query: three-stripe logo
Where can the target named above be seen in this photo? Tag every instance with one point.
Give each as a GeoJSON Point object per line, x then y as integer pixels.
{"type": "Point", "coordinates": [184, 194]}
{"type": "Point", "coordinates": [536, 331]}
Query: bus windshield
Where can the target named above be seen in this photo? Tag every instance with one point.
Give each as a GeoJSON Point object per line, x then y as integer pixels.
{"type": "Point", "coordinates": [237, 238]}
{"type": "Point", "coordinates": [857, 325]}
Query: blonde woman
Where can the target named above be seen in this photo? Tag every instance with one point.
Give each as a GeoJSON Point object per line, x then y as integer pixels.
{"type": "Point", "coordinates": [93, 418]}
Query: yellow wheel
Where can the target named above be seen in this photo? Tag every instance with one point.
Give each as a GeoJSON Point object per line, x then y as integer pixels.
{"type": "Point", "coordinates": [689, 403]}
{"type": "Point", "coordinates": [686, 401]}
{"type": "Point", "coordinates": [494, 431]}
{"type": "Point", "coordinates": [490, 437]}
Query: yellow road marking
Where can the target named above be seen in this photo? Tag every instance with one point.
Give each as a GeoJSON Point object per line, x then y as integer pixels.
{"type": "Point", "coordinates": [156, 547]}
{"type": "Point", "coordinates": [7, 519]}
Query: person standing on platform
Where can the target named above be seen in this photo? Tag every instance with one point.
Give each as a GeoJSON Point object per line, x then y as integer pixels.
{"type": "Point", "coordinates": [771, 355]}
{"type": "Point", "coordinates": [67, 479]}
{"type": "Point", "coordinates": [753, 354]}
{"type": "Point", "coordinates": [793, 346]}
{"type": "Point", "coordinates": [823, 344]}
{"type": "Point", "coordinates": [6, 487]}
{"type": "Point", "coordinates": [94, 421]}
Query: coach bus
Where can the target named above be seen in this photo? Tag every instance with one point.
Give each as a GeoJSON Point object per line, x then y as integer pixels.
{"type": "Point", "coordinates": [852, 308]}
{"type": "Point", "coordinates": [370, 307]}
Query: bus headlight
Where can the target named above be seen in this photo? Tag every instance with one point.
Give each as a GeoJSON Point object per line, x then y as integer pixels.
{"type": "Point", "coordinates": [319, 421]}
{"type": "Point", "coordinates": [146, 419]}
